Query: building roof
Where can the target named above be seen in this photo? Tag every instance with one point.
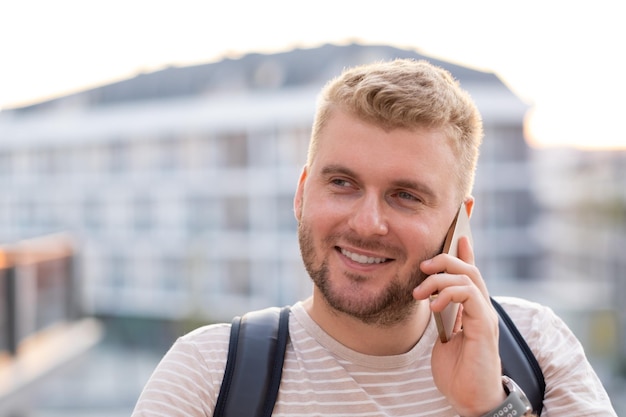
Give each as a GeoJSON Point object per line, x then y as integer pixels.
{"type": "Point", "coordinates": [254, 71]}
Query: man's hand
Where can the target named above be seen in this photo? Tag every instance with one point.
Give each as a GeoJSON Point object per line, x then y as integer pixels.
{"type": "Point", "coordinates": [466, 369]}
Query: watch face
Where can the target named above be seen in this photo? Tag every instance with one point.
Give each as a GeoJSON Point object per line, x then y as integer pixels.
{"type": "Point", "coordinates": [517, 395]}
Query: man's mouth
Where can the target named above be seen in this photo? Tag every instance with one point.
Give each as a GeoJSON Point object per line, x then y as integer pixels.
{"type": "Point", "coordinates": [362, 259]}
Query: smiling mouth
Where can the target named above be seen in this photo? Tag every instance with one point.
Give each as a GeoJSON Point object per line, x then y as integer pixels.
{"type": "Point", "coordinates": [362, 259]}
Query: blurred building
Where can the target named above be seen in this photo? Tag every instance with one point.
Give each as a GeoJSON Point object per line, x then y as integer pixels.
{"type": "Point", "coordinates": [582, 230]}
{"type": "Point", "coordinates": [178, 184]}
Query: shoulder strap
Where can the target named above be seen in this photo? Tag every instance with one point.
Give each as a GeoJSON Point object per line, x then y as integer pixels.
{"type": "Point", "coordinates": [254, 365]}
{"type": "Point", "coordinates": [518, 361]}
{"type": "Point", "coordinates": [253, 371]}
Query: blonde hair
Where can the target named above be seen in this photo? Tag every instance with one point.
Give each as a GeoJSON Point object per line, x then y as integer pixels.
{"type": "Point", "coordinates": [406, 94]}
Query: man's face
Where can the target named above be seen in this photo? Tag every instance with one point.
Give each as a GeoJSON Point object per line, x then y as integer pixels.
{"type": "Point", "coordinates": [371, 206]}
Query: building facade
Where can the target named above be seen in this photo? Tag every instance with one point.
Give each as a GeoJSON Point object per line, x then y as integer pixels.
{"type": "Point", "coordinates": [582, 231]}
{"type": "Point", "coordinates": [178, 184]}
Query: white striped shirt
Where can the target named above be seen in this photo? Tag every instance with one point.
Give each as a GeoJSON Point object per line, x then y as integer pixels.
{"type": "Point", "coordinates": [321, 377]}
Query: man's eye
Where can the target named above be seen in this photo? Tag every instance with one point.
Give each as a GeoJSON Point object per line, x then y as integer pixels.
{"type": "Point", "coordinates": [340, 182]}
{"type": "Point", "coordinates": [407, 196]}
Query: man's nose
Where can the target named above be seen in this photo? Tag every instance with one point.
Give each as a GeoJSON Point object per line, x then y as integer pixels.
{"type": "Point", "coordinates": [368, 217]}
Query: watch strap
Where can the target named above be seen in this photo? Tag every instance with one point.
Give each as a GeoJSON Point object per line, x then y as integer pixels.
{"type": "Point", "coordinates": [513, 406]}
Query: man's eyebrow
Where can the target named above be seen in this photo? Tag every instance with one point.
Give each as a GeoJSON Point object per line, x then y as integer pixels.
{"type": "Point", "coordinates": [338, 169]}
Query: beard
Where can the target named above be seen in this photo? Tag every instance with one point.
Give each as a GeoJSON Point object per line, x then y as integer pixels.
{"type": "Point", "coordinates": [393, 305]}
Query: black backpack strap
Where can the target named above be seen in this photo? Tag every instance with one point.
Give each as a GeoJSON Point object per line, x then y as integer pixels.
{"type": "Point", "coordinates": [518, 361]}
{"type": "Point", "coordinates": [254, 366]}
{"type": "Point", "coordinates": [257, 351]}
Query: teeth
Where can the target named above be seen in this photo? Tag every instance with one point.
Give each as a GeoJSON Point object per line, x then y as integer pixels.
{"type": "Point", "coordinates": [362, 259]}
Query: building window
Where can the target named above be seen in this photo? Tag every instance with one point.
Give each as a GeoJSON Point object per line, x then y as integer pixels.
{"type": "Point", "coordinates": [118, 272]}
{"type": "Point", "coordinates": [233, 149]}
{"type": "Point", "coordinates": [6, 164]}
{"type": "Point", "coordinates": [196, 152]}
{"type": "Point", "coordinates": [48, 162]}
{"type": "Point", "coordinates": [92, 213]}
{"type": "Point", "coordinates": [202, 214]}
{"type": "Point", "coordinates": [523, 266]}
{"type": "Point", "coordinates": [49, 214]}
{"type": "Point", "coordinates": [143, 213]}
{"type": "Point", "coordinates": [119, 156]}
{"type": "Point", "coordinates": [292, 146]}
{"type": "Point", "coordinates": [144, 154]}
{"type": "Point", "coordinates": [26, 214]}
{"type": "Point", "coordinates": [263, 215]}
{"type": "Point", "coordinates": [237, 279]}
{"type": "Point", "coordinates": [236, 213]}
{"type": "Point", "coordinates": [169, 154]}
{"type": "Point", "coordinates": [262, 148]}
{"type": "Point", "coordinates": [21, 163]}
{"type": "Point", "coordinates": [173, 274]}
{"type": "Point", "coordinates": [91, 159]}
{"type": "Point", "coordinates": [512, 208]}
{"type": "Point", "coordinates": [509, 144]}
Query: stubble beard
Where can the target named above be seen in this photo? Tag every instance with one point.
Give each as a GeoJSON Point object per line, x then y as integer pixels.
{"type": "Point", "coordinates": [393, 305]}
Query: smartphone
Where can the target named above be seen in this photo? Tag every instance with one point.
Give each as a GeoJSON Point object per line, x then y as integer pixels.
{"type": "Point", "coordinates": [460, 227]}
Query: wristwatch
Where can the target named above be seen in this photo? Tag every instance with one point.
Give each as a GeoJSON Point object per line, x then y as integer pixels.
{"type": "Point", "coordinates": [515, 405]}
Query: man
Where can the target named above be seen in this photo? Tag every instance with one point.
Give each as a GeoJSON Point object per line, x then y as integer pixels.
{"type": "Point", "coordinates": [391, 159]}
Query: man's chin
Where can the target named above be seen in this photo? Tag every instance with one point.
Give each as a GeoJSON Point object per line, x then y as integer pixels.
{"type": "Point", "coordinates": [372, 310]}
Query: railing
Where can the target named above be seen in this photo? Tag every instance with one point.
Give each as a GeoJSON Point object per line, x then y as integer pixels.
{"type": "Point", "coordinates": [41, 327]}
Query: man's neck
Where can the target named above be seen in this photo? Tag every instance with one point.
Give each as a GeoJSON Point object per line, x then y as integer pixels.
{"type": "Point", "coordinates": [370, 339]}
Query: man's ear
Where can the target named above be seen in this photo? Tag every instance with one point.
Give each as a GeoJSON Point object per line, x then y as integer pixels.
{"type": "Point", "coordinates": [469, 205]}
{"type": "Point", "coordinates": [297, 200]}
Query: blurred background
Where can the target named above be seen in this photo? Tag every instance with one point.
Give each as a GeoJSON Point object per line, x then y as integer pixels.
{"type": "Point", "coordinates": [149, 152]}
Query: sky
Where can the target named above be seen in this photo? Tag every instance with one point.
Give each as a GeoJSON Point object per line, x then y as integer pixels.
{"type": "Point", "coordinates": [564, 58]}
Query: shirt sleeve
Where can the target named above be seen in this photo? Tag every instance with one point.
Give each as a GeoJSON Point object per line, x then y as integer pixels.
{"type": "Point", "coordinates": [572, 386]}
{"type": "Point", "coordinates": [186, 381]}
